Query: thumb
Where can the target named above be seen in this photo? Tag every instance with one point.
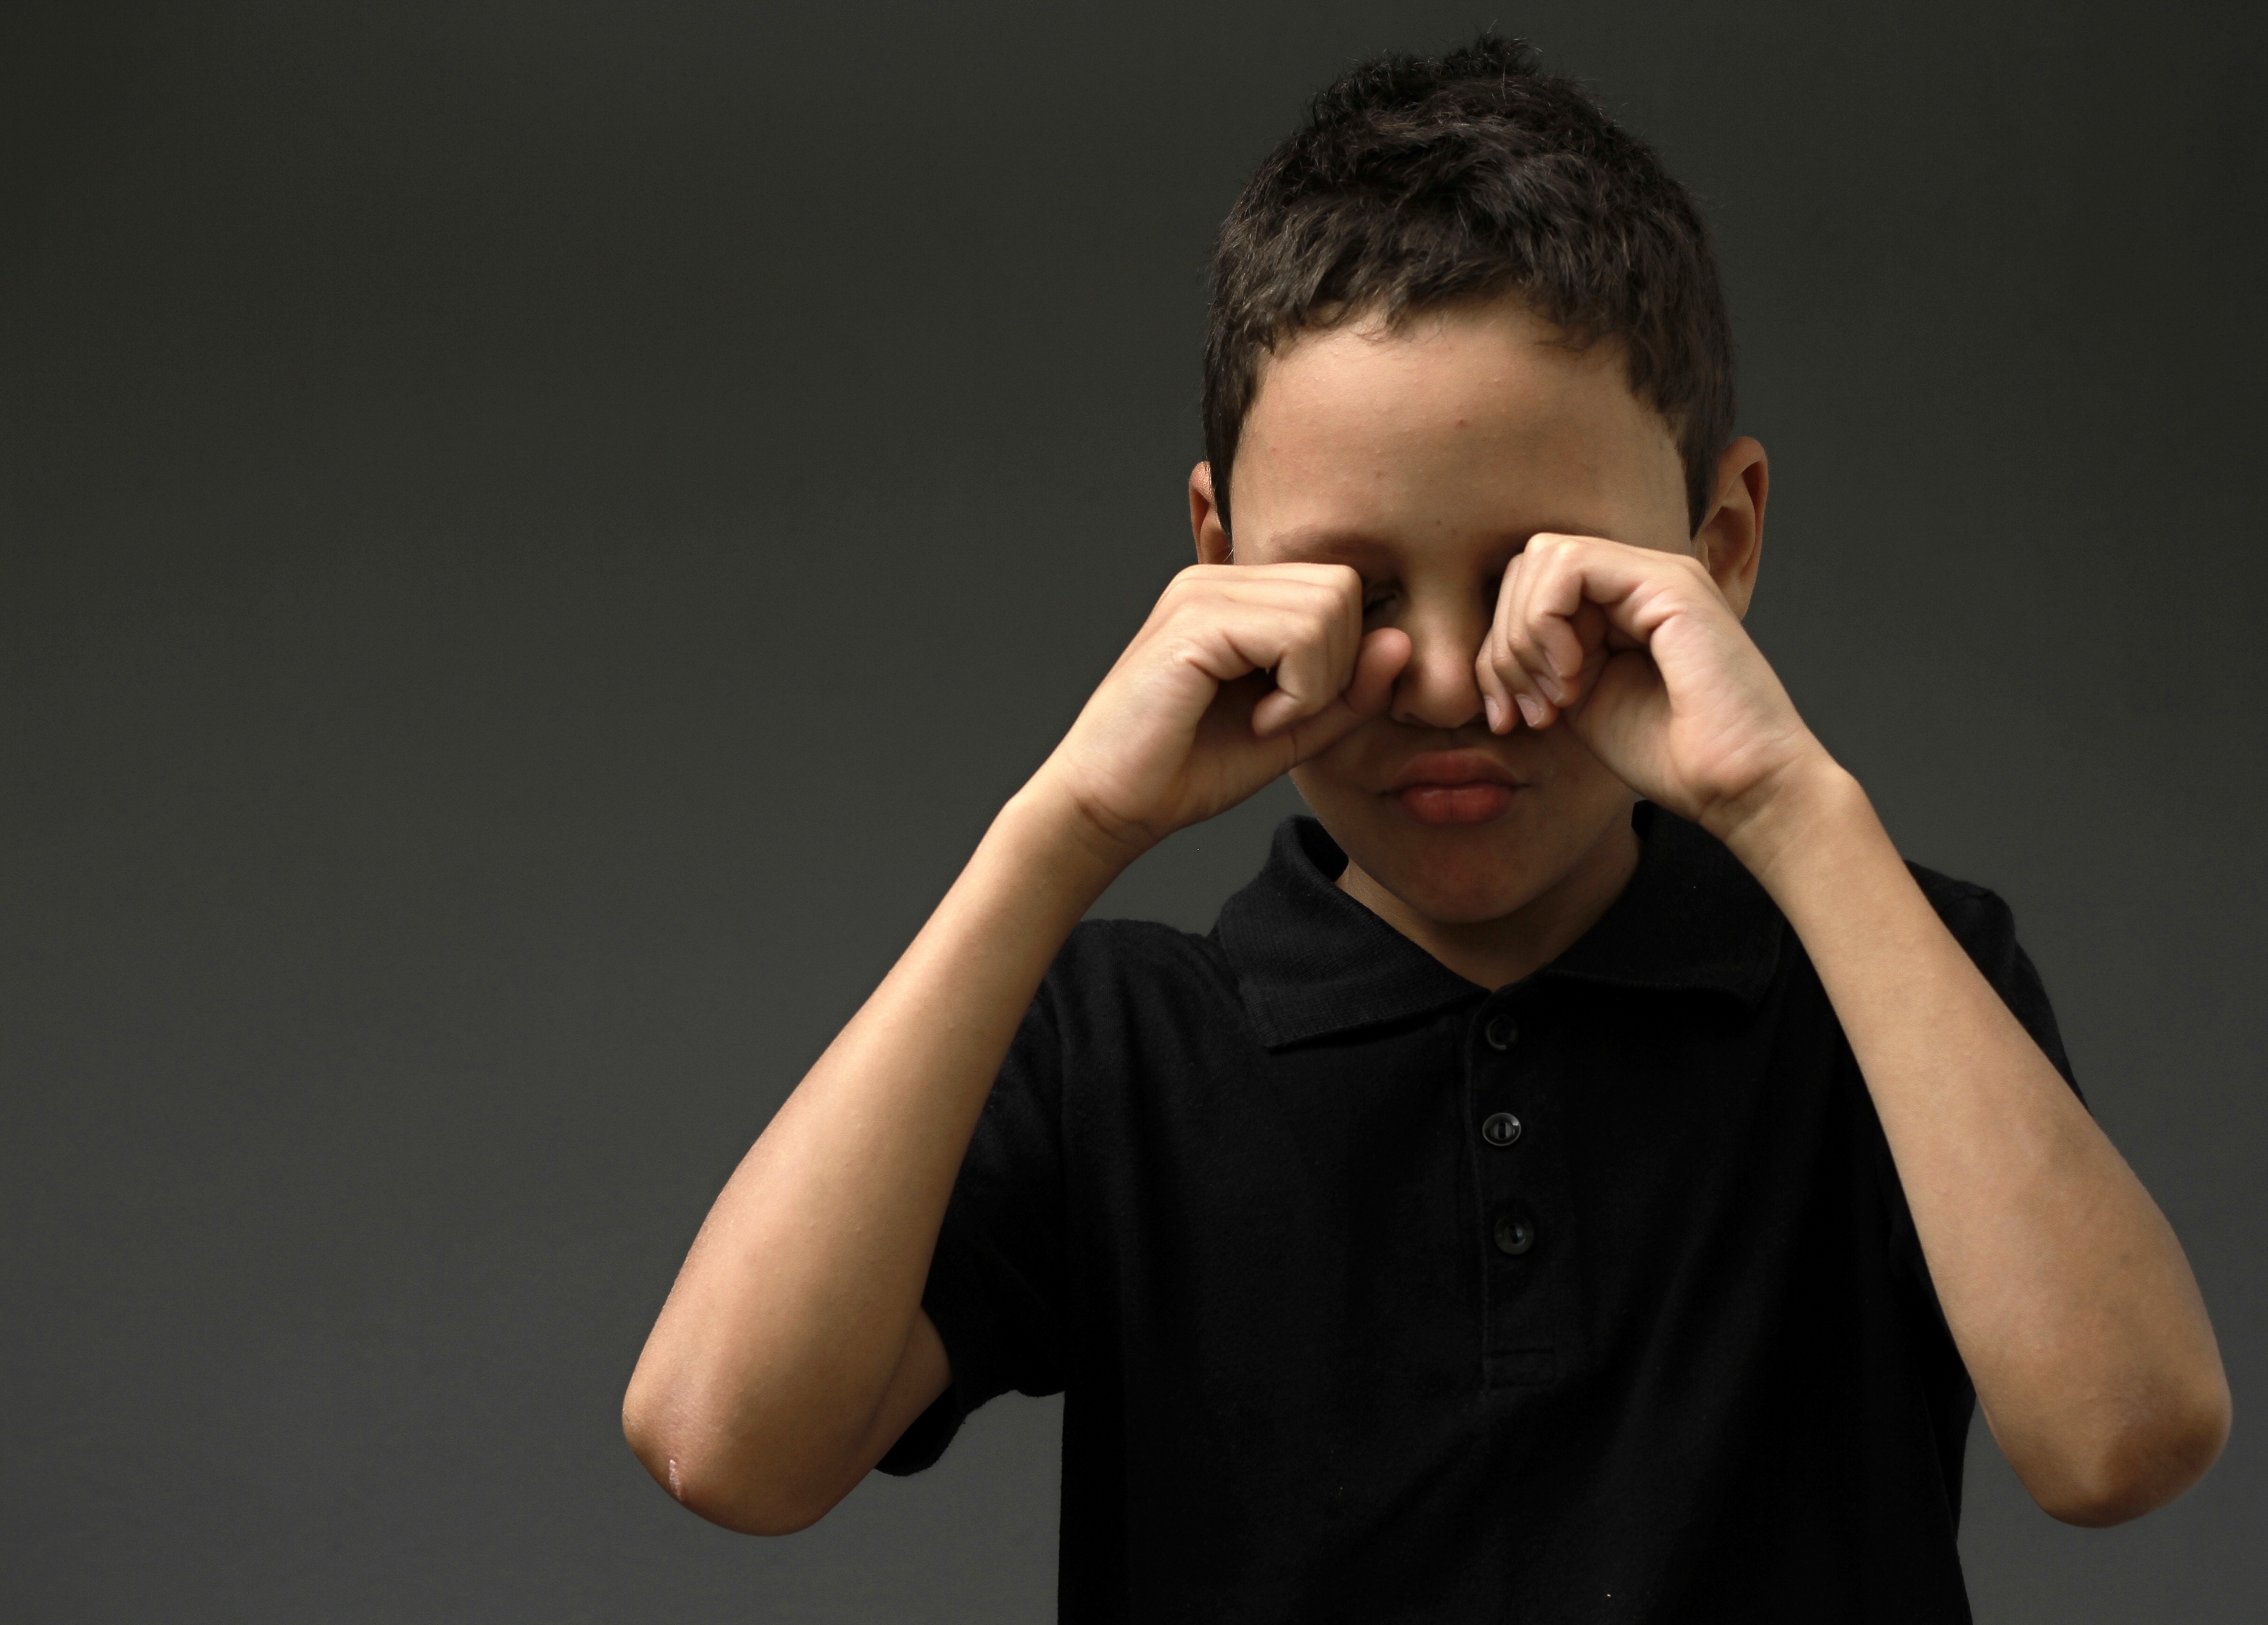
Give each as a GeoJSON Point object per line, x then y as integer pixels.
{"type": "Point", "coordinates": [1377, 664]}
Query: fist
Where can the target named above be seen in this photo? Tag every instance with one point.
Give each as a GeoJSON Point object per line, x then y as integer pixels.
{"type": "Point", "coordinates": [1240, 673]}
{"type": "Point", "coordinates": [1639, 653]}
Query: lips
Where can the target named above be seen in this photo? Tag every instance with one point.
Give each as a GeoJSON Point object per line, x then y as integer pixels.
{"type": "Point", "coordinates": [1454, 786]}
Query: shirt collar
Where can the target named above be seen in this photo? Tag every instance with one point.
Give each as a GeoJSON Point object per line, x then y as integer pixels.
{"type": "Point", "coordinates": [1310, 961]}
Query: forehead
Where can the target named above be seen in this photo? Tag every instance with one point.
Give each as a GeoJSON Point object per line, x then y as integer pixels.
{"type": "Point", "coordinates": [1475, 419]}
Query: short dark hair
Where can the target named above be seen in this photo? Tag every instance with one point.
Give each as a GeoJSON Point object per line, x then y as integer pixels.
{"type": "Point", "coordinates": [1417, 182]}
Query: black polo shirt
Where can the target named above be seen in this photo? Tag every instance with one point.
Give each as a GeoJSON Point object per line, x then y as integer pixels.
{"type": "Point", "coordinates": [1376, 1296]}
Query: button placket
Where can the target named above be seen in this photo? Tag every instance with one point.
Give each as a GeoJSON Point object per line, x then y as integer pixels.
{"type": "Point", "coordinates": [1515, 1234]}
{"type": "Point", "coordinates": [1520, 1330]}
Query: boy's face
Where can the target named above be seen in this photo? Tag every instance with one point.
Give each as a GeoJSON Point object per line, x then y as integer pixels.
{"type": "Point", "coordinates": [1425, 457]}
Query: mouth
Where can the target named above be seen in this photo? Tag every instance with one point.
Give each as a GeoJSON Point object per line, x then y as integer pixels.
{"type": "Point", "coordinates": [1453, 787]}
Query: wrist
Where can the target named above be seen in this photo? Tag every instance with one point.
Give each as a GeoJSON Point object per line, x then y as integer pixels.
{"type": "Point", "coordinates": [1806, 809]}
{"type": "Point", "coordinates": [1051, 837]}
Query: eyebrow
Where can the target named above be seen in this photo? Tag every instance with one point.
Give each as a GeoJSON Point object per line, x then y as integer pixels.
{"type": "Point", "coordinates": [1319, 546]}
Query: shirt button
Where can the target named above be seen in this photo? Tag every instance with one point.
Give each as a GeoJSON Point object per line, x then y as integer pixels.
{"type": "Point", "coordinates": [1513, 1234]}
{"type": "Point", "coordinates": [1500, 1128]}
{"type": "Point", "coordinates": [1500, 1032]}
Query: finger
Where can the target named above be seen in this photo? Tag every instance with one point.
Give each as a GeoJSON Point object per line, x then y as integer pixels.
{"type": "Point", "coordinates": [1255, 621]}
{"type": "Point", "coordinates": [1496, 698]}
{"type": "Point", "coordinates": [1634, 588]}
{"type": "Point", "coordinates": [1544, 636]}
{"type": "Point", "coordinates": [1558, 654]}
{"type": "Point", "coordinates": [1586, 632]}
{"type": "Point", "coordinates": [1380, 660]}
{"type": "Point", "coordinates": [1556, 626]}
{"type": "Point", "coordinates": [1494, 671]}
{"type": "Point", "coordinates": [1317, 660]}
{"type": "Point", "coordinates": [1516, 664]}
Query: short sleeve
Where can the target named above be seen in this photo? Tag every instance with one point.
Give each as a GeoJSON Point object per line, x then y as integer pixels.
{"type": "Point", "coordinates": [995, 1282]}
{"type": "Point", "coordinates": [1986, 930]}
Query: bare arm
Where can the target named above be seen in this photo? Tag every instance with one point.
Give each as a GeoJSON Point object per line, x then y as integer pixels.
{"type": "Point", "coordinates": [2062, 1283]}
{"type": "Point", "coordinates": [793, 1351]}
{"type": "Point", "coordinates": [2065, 1289]}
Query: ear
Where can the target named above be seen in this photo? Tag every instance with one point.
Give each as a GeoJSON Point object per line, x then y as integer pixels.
{"type": "Point", "coordinates": [1731, 540]}
{"type": "Point", "coordinates": [1213, 545]}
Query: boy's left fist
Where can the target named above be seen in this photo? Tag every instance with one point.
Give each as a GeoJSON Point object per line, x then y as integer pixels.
{"type": "Point", "coordinates": [1639, 652]}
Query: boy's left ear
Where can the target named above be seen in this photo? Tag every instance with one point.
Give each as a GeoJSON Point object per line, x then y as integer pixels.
{"type": "Point", "coordinates": [1731, 540]}
{"type": "Point", "coordinates": [1213, 546]}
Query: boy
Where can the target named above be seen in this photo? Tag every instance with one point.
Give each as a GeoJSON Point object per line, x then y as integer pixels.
{"type": "Point", "coordinates": [1585, 1174]}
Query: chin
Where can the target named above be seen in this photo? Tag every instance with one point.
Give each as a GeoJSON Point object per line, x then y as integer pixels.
{"type": "Point", "coordinates": [1468, 874]}
{"type": "Point", "coordinates": [1462, 880]}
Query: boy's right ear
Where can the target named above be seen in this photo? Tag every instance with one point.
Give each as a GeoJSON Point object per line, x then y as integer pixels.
{"type": "Point", "coordinates": [1213, 545]}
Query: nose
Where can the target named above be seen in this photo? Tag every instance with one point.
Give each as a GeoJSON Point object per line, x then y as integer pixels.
{"type": "Point", "coordinates": [1438, 689]}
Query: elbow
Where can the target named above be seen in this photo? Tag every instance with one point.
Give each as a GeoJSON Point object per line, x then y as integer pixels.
{"type": "Point", "coordinates": [2140, 1467]}
{"type": "Point", "coordinates": [743, 1490]}
{"type": "Point", "coordinates": [750, 1506]}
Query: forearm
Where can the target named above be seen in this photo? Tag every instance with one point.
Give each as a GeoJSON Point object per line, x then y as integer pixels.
{"type": "Point", "coordinates": [765, 1371]}
{"type": "Point", "coordinates": [793, 1343]}
{"type": "Point", "coordinates": [2064, 1286]}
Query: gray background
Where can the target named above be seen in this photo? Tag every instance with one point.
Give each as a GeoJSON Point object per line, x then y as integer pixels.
{"type": "Point", "coordinates": [536, 536]}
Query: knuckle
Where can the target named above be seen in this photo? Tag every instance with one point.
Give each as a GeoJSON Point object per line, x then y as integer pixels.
{"type": "Point", "coordinates": [1310, 575]}
{"type": "Point", "coordinates": [1194, 581]}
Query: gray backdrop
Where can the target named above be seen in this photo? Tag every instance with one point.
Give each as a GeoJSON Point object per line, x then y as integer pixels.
{"type": "Point", "coordinates": [537, 535]}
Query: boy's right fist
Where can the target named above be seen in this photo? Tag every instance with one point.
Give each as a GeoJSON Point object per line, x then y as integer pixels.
{"type": "Point", "coordinates": [1240, 673]}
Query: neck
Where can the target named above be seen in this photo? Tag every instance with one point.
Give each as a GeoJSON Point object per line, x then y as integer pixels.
{"type": "Point", "coordinates": [1497, 952]}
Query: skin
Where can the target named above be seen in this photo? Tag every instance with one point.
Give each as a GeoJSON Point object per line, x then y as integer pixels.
{"type": "Point", "coordinates": [1462, 608]}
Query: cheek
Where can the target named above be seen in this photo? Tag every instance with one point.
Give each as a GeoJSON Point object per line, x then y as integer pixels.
{"type": "Point", "coordinates": [1330, 799]}
{"type": "Point", "coordinates": [1344, 771]}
